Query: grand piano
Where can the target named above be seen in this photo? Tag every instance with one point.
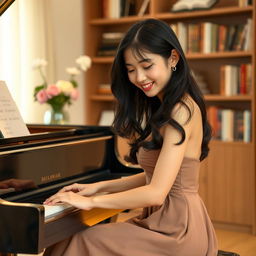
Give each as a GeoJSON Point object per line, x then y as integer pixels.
{"type": "Point", "coordinates": [36, 166]}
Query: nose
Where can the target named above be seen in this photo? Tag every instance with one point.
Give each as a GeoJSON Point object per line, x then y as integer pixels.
{"type": "Point", "coordinates": [141, 77]}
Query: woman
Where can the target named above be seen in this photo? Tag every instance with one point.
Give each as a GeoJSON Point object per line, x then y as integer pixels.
{"type": "Point", "coordinates": [161, 110]}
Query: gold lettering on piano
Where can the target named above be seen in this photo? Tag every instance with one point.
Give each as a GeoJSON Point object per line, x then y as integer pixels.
{"type": "Point", "coordinates": [50, 177]}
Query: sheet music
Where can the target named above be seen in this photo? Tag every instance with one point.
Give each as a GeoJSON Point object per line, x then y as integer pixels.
{"type": "Point", "coordinates": [11, 122]}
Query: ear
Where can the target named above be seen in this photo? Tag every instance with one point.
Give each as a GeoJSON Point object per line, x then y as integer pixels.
{"type": "Point", "coordinates": [174, 58]}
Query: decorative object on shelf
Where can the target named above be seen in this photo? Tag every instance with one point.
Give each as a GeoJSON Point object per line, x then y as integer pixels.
{"type": "Point", "coordinates": [191, 5]}
{"type": "Point", "coordinates": [61, 93]}
{"type": "Point", "coordinates": [109, 43]}
{"type": "Point", "coordinates": [104, 89]}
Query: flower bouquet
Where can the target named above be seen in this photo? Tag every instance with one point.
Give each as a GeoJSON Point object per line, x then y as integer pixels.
{"type": "Point", "coordinates": [61, 93]}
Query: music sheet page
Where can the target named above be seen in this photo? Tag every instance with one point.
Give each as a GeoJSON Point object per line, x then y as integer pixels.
{"type": "Point", "coordinates": [11, 122]}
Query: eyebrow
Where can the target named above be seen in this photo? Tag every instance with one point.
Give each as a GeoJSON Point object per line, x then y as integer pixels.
{"type": "Point", "coordinates": [141, 61]}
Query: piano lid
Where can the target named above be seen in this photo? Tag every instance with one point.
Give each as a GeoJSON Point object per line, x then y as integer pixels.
{"type": "Point", "coordinates": [51, 154]}
{"type": "Point", "coordinates": [4, 4]}
{"type": "Point", "coordinates": [46, 134]}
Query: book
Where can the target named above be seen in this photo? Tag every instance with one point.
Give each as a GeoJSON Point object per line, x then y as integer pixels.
{"type": "Point", "coordinates": [238, 126]}
{"type": "Point", "coordinates": [227, 125]}
{"type": "Point", "coordinates": [183, 5]}
{"type": "Point", "coordinates": [249, 36]}
{"type": "Point", "coordinates": [235, 80]}
{"type": "Point", "coordinates": [143, 7]}
{"type": "Point", "coordinates": [247, 125]}
{"type": "Point", "coordinates": [207, 27]}
{"type": "Point", "coordinates": [111, 9]}
{"type": "Point", "coordinates": [11, 122]}
{"type": "Point", "coordinates": [182, 31]}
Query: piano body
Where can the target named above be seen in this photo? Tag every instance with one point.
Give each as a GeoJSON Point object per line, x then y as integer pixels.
{"type": "Point", "coordinates": [36, 166]}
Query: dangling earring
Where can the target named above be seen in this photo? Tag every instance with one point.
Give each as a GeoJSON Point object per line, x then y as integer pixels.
{"type": "Point", "coordinates": [174, 68]}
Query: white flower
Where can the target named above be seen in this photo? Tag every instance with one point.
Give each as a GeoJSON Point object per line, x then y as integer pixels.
{"type": "Point", "coordinates": [65, 86]}
{"type": "Point", "coordinates": [84, 62]}
{"type": "Point", "coordinates": [38, 63]}
{"type": "Point", "coordinates": [73, 71]}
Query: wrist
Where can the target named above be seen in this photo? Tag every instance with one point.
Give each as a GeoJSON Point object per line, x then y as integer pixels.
{"type": "Point", "coordinates": [93, 201]}
{"type": "Point", "coordinates": [101, 186]}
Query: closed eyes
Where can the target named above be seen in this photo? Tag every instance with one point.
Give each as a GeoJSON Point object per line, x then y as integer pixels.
{"type": "Point", "coordinates": [147, 67]}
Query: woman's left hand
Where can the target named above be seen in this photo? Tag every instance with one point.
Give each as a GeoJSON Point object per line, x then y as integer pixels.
{"type": "Point", "coordinates": [71, 198]}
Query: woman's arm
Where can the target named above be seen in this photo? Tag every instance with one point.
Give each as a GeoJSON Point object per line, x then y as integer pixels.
{"type": "Point", "coordinates": [109, 186]}
{"type": "Point", "coordinates": [122, 184]}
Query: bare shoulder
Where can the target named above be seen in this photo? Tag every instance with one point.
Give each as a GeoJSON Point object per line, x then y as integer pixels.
{"type": "Point", "coordinates": [186, 112]}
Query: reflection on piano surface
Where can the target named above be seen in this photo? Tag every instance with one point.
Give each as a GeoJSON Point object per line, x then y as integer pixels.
{"type": "Point", "coordinates": [34, 167]}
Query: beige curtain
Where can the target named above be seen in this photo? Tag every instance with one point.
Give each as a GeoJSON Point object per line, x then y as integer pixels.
{"type": "Point", "coordinates": [25, 35]}
{"type": "Point", "coordinates": [49, 29]}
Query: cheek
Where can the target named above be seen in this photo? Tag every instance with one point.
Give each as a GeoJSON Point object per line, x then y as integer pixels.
{"type": "Point", "coordinates": [156, 75]}
{"type": "Point", "coordinates": [131, 77]}
{"type": "Point", "coordinates": [166, 74]}
{"type": "Point", "coordinates": [132, 80]}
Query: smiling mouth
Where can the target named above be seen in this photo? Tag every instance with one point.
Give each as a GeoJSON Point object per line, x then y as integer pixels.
{"type": "Point", "coordinates": [147, 87]}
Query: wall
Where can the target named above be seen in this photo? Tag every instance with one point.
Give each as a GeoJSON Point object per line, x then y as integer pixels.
{"type": "Point", "coordinates": [68, 44]}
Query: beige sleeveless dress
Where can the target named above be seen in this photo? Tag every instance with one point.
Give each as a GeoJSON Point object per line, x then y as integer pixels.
{"type": "Point", "coordinates": [180, 227]}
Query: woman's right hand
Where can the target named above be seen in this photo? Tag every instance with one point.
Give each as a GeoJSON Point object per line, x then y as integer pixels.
{"type": "Point", "coordinates": [82, 189]}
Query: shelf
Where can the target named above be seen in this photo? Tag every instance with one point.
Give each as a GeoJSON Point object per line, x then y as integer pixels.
{"type": "Point", "coordinates": [219, 55]}
{"type": "Point", "coordinates": [216, 97]}
{"type": "Point", "coordinates": [205, 13]}
{"type": "Point", "coordinates": [175, 16]}
{"type": "Point", "coordinates": [190, 56]}
{"type": "Point", "coordinates": [231, 143]}
{"type": "Point", "coordinates": [103, 60]}
{"type": "Point", "coordinates": [209, 97]}
{"type": "Point", "coordinates": [122, 20]}
{"type": "Point", "coordinates": [99, 97]}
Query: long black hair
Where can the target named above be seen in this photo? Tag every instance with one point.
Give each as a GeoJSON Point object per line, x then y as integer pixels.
{"type": "Point", "coordinates": [138, 116]}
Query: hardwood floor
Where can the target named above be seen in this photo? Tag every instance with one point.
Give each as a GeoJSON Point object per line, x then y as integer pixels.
{"type": "Point", "coordinates": [241, 243]}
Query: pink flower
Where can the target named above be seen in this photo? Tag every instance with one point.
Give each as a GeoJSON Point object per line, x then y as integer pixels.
{"type": "Point", "coordinates": [42, 96]}
{"type": "Point", "coordinates": [52, 90]}
{"type": "Point", "coordinates": [74, 94]}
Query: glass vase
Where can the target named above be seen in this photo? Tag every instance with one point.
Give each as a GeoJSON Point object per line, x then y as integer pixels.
{"type": "Point", "coordinates": [56, 116]}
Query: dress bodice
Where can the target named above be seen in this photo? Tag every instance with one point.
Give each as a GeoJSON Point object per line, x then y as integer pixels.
{"type": "Point", "coordinates": [187, 179]}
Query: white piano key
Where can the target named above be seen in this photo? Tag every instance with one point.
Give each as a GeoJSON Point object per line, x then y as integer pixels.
{"type": "Point", "coordinates": [52, 210]}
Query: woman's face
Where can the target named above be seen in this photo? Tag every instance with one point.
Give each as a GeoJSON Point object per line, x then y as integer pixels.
{"type": "Point", "coordinates": [150, 73]}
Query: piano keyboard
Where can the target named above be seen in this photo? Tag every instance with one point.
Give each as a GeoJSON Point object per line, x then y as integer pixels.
{"type": "Point", "coordinates": [53, 210]}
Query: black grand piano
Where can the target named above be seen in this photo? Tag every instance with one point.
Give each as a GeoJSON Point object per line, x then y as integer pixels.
{"type": "Point", "coordinates": [36, 166]}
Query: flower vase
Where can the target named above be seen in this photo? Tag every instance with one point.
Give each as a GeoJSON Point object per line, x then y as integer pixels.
{"type": "Point", "coordinates": [56, 116]}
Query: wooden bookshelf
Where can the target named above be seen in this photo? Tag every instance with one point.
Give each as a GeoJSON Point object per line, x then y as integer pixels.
{"type": "Point", "coordinates": [227, 181]}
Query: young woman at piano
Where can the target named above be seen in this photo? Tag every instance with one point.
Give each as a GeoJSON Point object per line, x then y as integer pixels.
{"type": "Point", "coordinates": [161, 110]}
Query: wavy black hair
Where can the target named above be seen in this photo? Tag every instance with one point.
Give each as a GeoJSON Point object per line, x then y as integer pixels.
{"type": "Point", "coordinates": [138, 116]}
